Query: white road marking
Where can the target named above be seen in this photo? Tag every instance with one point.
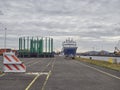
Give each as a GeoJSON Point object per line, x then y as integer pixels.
{"type": "Point", "coordinates": [37, 73]}
{"type": "Point", "coordinates": [101, 71]}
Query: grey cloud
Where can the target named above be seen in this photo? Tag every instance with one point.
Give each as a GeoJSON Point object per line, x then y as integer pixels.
{"type": "Point", "coordinates": [1, 13]}
{"type": "Point", "coordinates": [90, 20]}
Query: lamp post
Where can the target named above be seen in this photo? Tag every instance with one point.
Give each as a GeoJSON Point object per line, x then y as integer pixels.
{"type": "Point", "coordinates": [5, 29]}
{"type": "Point", "coordinates": [5, 40]}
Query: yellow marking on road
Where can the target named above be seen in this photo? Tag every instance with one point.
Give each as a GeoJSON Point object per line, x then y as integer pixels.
{"type": "Point", "coordinates": [28, 87]}
{"type": "Point", "coordinates": [29, 62]}
{"type": "Point", "coordinates": [48, 63]}
{"type": "Point", "coordinates": [53, 64]}
{"type": "Point", "coordinates": [39, 74]}
{"type": "Point", "coordinates": [43, 87]}
{"type": "Point", "coordinates": [102, 71]}
{"type": "Point", "coordinates": [46, 66]}
{"type": "Point", "coordinates": [49, 73]}
{"type": "Point", "coordinates": [33, 63]}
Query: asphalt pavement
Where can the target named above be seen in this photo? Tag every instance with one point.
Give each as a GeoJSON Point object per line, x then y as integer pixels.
{"type": "Point", "coordinates": [60, 74]}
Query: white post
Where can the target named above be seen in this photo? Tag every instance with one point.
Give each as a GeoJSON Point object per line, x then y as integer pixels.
{"type": "Point", "coordinates": [5, 40]}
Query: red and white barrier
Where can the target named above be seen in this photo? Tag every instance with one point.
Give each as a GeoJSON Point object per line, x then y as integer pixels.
{"type": "Point", "coordinates": [14, 68]}
{"type": "Point", "coordinates": [12, 63]}
{"type": "Point", "coordinates": [10, 58]}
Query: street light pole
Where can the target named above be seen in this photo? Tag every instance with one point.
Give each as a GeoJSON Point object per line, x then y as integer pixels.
{"type": "Point", "coordinates": [5, 40]}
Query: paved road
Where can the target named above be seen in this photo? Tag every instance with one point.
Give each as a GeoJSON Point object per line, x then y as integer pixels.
{"type": "Point", "coordinates": [60, 74]}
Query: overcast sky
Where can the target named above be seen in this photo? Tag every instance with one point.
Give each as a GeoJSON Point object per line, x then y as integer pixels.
{"type": "Point", "coordinates": [94, 24]}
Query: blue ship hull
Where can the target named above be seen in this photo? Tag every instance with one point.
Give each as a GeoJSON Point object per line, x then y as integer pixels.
{"type": "Point", "coordinates": [69, 51]}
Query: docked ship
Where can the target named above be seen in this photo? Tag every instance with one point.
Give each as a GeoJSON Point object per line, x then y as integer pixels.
{"type": "Point", "coordinates": [69, 48]}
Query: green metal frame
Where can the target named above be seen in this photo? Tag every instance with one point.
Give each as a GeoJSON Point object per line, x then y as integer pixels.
{"type": "Point", "coordinates": [37, 45]}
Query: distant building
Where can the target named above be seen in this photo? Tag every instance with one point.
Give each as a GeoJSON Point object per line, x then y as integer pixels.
{"type": "Point", "coordinates": [97, 53]}
{"type": "Point", "coordinates": [104, 52]}
{"type": "Point", "coordinates": [7, 50]}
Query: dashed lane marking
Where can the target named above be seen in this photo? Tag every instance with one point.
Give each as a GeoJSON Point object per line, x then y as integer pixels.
{"type": "Point", "coordinates": [27, 63]}
{"type": "Point", "coordinates": [49, 63]}
{"type": "Point", "coordinates": [33, 63]}
{"type": "Point", "coordinates": [53, 64]}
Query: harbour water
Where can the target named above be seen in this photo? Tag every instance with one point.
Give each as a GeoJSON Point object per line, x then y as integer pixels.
{"type": "Point", "coordinates": [102, 58]}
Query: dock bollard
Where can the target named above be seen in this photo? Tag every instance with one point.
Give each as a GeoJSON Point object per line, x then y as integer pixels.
{"type": "Point", "coordinates": [90, 58]}
{"type": "Point", "coordinates": [115, 60]}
